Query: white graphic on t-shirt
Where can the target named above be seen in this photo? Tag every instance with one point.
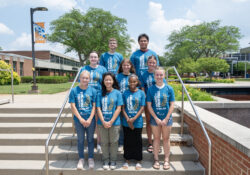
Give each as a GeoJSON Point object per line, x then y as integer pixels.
{"type": "Point", "coordinates": [105, 103]}
{"type": "Point", "coordinates": [123, 85]}
{"type": "Point", "coordinates": [149, 81]}
{"type": "Point", "coordinates": [130, 103]}
{"type": "Point", "coordinates": [158, 99]}
{"type": "Point", "coordinates": [110, 63]}
{"type": "Point", "coordinates": [142, 62]}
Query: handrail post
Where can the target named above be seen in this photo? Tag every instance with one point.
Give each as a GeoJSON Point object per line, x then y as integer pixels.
{"type": "Point", "coordinates": [55, 123]}
{"type": "Point", "coordinates": [12, 88]}
{"type": "Point", "coordinates": [182, 109]}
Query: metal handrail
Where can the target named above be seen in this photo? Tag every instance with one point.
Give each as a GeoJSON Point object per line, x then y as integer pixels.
{"type": "Point", "coordinates": [55, 123]}
{"type": "Point", "coordinates": [197, 115]}
{"type": "Point", "coordinates": [12, 87]}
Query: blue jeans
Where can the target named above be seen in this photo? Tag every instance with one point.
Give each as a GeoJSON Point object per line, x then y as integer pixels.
{"type": "Point", "coordinates": [80, 130]}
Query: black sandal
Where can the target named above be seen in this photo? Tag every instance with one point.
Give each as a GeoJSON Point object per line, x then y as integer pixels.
{"type": "Point", "coordinates": [150, 148]}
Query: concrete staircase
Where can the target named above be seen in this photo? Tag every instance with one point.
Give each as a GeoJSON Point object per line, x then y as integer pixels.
{"type": "Point", "coordinates": [23, 133]}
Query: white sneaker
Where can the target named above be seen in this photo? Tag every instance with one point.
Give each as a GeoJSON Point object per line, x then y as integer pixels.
{"type": "Point", "coordinates": [80, 164]}
{"type": "Point", "coordinates": [91, 163]}
{"type": "Point", "coordinates": [105, 166]}
{"type": "Point", "coordinates": [125, 165]}
{"type": "Point", "coordinates": [112, 166]}
{"type": "Point", "coordinates": [120, 148]}
{"type": "Point", "coordinates": [98, 149]}
{"type": "Point", "coordinates": [138, 166]}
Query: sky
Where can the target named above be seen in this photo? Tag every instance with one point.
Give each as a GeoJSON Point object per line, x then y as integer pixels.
{"type": "Point", "coordinates": [157, 18]}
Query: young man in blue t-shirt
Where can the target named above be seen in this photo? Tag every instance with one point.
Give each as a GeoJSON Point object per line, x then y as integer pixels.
{"type": "Point", "coordinates": [140, 57]}
{"type": "Point", "coordinates": [111, 59]}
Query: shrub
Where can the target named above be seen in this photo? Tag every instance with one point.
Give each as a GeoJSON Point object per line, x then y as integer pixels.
{"type": "Point", "coordinates": [52, 79]}
{"type": "Point", "coordinates": [195, 94]}
{"type": "Point", "coordinates": [26, 79]}
{"type": "Point", "coordinates": [46, 79]}
{"type": "Point", "coordinates": [5, 76]}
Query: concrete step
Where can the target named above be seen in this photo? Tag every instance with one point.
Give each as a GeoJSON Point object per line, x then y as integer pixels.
{"type": "Point", "coordinates": [68, 167]}
{"type": "Point", "coordinates": [4, 101]}
{"type": "Point", "coordinates": [67, 152]}
{"type": "Point", "coordinates": [69, 139]}
{"type": "Point", "coordinates": [61, 127]}
{"type": "Point", "coordinates": [48, 117]}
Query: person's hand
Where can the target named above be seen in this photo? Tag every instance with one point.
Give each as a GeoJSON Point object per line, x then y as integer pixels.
{"type": "Point", "coordinates": [106, 125]}
{"type": "Point", "coordinates": [87, 123]}
{"type": "Point", "coordinates": [130, 123]}
{"type": "Point", "coordinates": [164, 121]}
{"type": "Point", "coordinates": [82, 121]}
{"type": "Point", "coordinates": [158, 121]}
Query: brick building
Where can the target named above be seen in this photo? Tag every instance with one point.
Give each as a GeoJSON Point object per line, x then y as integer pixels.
{"type": "Point", "coordinates": [48, 63]}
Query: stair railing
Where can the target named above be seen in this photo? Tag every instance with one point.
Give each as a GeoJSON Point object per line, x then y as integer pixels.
{"type": "Point", "coordinates": [55, 123]}
{"type": "Point", "coordinates": [184, 90]}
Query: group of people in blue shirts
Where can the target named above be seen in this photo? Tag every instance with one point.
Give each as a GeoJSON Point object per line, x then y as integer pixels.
{"type": "Point", "coordinates": [112, 94]}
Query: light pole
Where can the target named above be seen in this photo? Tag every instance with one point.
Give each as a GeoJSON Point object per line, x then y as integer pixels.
{"type": "Point", "coordinates": [34, 87]}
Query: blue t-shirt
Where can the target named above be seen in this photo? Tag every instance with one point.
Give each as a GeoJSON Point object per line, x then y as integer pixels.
{"type": "Point", "coordinates": [111, 61]}
{"type": "Point", "coordinates": [123, 82]}
{"type": "Point", "coordinates": [160, 99]}
{"type": "Point", "coordinates": [139, 60]}
{"type": "Point", "coordinates": [108, 105]}
{"type": "Point", "coordinates": [148, 79]}
{"type": "Point", "coordinates": [83, 99]}
{"type": "Point", "coordinates": [95, 76]}
{"type": "Point", "coordinates": [133, 101]}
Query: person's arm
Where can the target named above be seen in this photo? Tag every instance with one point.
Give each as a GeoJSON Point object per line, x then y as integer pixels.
{"type": "Point", "coordinates": [115, 115]}
{"type": "Point", "coordinates": [151, 111]}
{"type": "Point", "coordinates": [171, 109]}
{"type": "Point", "coordinates": [137, 115]}
{"type": "Point", "coordinates": [127, 117]}
{"type": "Point", "coordinates": [76, 113]}
{"type": "Point", "coordinates": [88, 122]}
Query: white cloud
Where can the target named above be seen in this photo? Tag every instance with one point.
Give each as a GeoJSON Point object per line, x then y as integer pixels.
{"type": "Point", "coordinates": [63, 5]}
{"type": "Point", "coordinates": [160, 25]}
{"type": "Point", "coordinates": [24, 43]}
{"type": "Point", "coordinates": [240, 0]}
{"type": "Point", "coordinates": [5, 30]}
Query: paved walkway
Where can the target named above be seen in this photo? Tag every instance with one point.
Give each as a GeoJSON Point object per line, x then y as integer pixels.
{"type": "Point", "coordinates": [56, 100]}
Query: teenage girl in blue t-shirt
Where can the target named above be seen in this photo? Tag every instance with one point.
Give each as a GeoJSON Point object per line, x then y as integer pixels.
{"type": "Point", "coordinates": [134, 102]}
{"type": "Point", "coordinates": [160, 103]}
{"type": "Point", "coordinates": [109, 104]}
{"type": "Point", "coordinates": [83, 104]}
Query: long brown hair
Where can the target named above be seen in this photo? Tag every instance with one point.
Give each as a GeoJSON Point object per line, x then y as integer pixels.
{"type": "Point", "coordinates": [132, 68]}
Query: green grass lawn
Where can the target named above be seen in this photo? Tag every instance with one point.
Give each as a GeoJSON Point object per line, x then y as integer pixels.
{"type": "Point", "coordinates": [242, 79]}
{"type": "Point", "coordinates": [23, 88]}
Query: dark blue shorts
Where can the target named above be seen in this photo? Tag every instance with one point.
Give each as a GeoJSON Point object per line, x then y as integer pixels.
{"type": "Point", "coordinates": [153, 122]}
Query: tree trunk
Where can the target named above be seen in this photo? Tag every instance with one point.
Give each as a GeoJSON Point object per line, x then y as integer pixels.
{"type": "Point", "coordinates": [80, 59]}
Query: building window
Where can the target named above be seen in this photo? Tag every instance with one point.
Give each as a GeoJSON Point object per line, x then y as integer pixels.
{"type": "Point", "coordinates": [14, 66]}
{"type": "Point", "coordinates": [21, 68]}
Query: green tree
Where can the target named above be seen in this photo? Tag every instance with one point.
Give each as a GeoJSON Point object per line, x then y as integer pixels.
{"type": "Point", "coordinates": [163, 61]}
{"type": "Point", "coordinates": [5, 76]}
{"type": "Point", "coordinates": [212, 64]}
{"type": "Point", "coordinates": [187, 65]}
{"type": "Point", "coordinates": [207, 39]}
{"type": "Point", "coordinates": [84, 33]}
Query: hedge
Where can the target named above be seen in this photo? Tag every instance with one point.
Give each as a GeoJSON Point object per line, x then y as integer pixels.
{"type": "Point", "coordinates": [5, 76]}
{"type": "Point", "coordinates": [45, 79]}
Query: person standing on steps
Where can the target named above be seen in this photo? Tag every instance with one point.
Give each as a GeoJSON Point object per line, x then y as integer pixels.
{"type": "Point", "coordinates": [132, 121]}
{"type": "Point", "coordinates": [96, 71]}
{"type": "Point", "coordinates": [126, 68]}
{"type": "Point", "coordinates": [108, 105]}
{"type": "Point", "coordinates": [140, 57]}
{"type": "Point", "coordinates": [111, 59]}
{"type": "Point", "coordinates": [160, 103]}
{"type": "Point", "coordinates": [148, 80]}
{"type": "Point", "coordinates": [82, 100]}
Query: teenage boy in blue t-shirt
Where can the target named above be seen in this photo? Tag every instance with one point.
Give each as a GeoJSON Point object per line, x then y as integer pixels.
{"type": "Point", "coordinates": [140, 57]}
{"type": "Point", "coordinates": [83, 103]}
{"type": "Point", "coordinates": [111, 59]}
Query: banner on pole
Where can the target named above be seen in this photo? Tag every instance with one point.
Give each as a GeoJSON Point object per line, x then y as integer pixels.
{"type": "Point", "coordinates": [40, 36]}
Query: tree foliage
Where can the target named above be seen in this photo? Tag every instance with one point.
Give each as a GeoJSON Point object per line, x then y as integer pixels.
{"type": "Point", "coordinates": [84, 33]}
{"type": "Point", "coordinates": [207, 39]}
{"type": "Point", "coordinates": [5, 76]}
{"type": "Point", "coordinates": [212, 64]}
{"type": "Point", "coordinates": [187, 65]}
